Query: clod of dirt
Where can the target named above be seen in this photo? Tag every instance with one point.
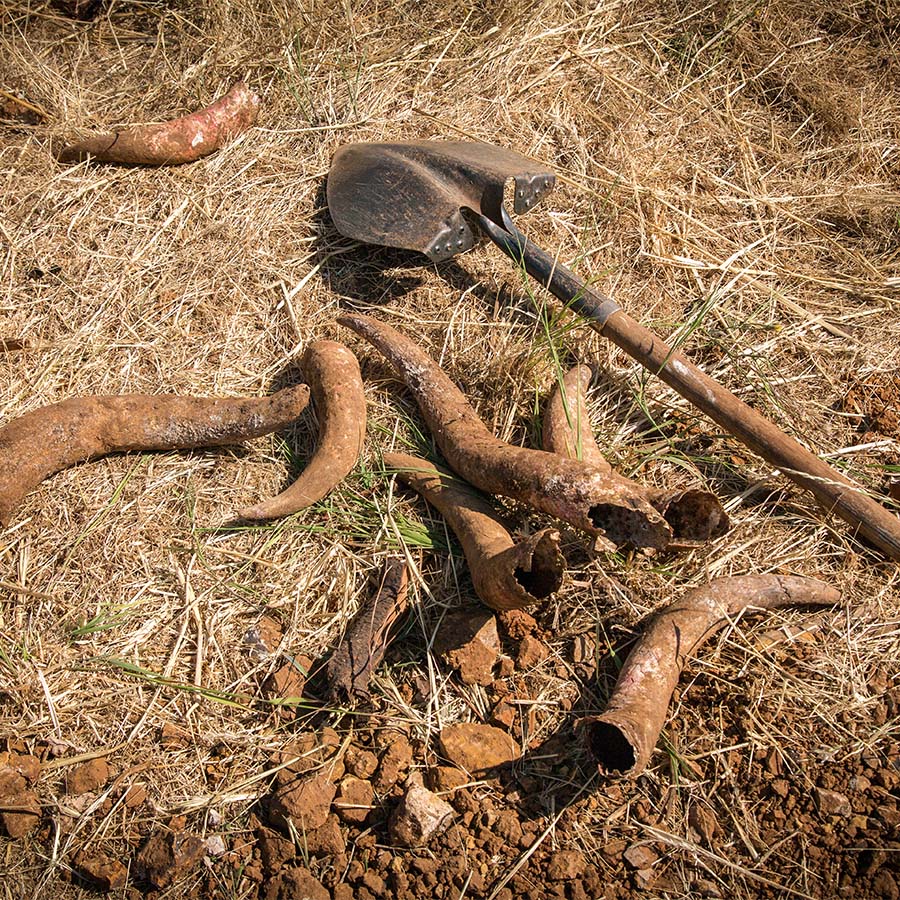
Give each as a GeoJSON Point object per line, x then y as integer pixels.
{"type": "Point", "coordinates": [100, 870]}
{"type": "Point", "coordinates": [503, 715]}
{"type": "Point", "coordinates": [168, 856]}
{"type": "Point", "coordinates": [447, 778]}
{"type": "Point", "coordinates": [531, 652]}
{"type": "Point", "coordinates": [285, 685]}
{"type": "Point", "coordinates": [419, 815]}
{"type": "Point", "coordinates": [832, 803]}
{"type": "Point", "coordinates": [566, 865]}
{"type": "Point", "coordinates": [26, 765]}
{"type": "Point", "coordinates": [295, 884]}
{"type": "Point", "coordinates": [467, 641]}
{"type": "Point", "coordinates": [517, 624]}
{"type": "Point", "coordinates": [305, 802]}
{"type": "Point", "coordinates": [640, 856]}
{"type": "Point", "coordinates": [704, 822]}
{"type": "Point", "coordinates": [875, 399]}
{"type": "Point", "coordinates": [353, 801]}
{"type": "Point", "coordinates": [395, 760]}
{"type": "Point", "coordinates": [89, 776]}
{"type": "Point", "coordinates": [21, 810]}
{"type": "Point", "coordinates": [476, 747]}
{"type": "Point", "coordinates": [275, 850]}
{"type": "Point", "coordinates": [327, 839]}
{"type": "Point", "coordinates": [361, 763]}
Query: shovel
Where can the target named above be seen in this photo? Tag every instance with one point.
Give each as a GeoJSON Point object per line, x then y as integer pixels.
{"type": "Point", "coordinates": [427, 195]}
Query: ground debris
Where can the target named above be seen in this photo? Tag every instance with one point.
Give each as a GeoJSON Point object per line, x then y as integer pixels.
{"type": "Point", "coordinates": [100, 870]}
{"type": "Point", "coordinates": [87, 776]}
{"type": "Point", "coordinates": [20, 810]}
{"type": "Point", "coordinates": [295, 884]}
{"type": "Point", "coordinates": [419, 815]}
{"type": "Point", "coordinates": [303, 801]}
{"type": "Point", "coordinates": [475, 747]}
{"type": "Point", "coordinates": [168, 856]}
{"type": "Point", "coordinates": [467, 641]}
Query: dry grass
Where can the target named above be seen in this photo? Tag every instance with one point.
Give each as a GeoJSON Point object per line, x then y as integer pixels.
{"type": "Point", "coordinates": [734, 166]}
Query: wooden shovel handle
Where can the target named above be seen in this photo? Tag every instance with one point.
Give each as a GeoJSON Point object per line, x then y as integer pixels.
{"type": "Point", "coordinates": [837, 493]}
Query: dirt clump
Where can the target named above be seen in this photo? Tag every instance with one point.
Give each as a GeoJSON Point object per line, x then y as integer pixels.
{"type": "Point", "coordinates": [476, 748]}
{"type": "Point", "coordinates": [100, 870]}
{"type": "Point", "coordinates": [168, 856]}
{"type": "Point", "coordinates": [303, 801]}
{"type": "Point", "coordinates": [875, 400]}
{"type": "Point", "coordinates": [294, 884]}
{"type": "Point", "coordinates": [353, 801]}
{"type": "Point", "coordinates": [20, 809]}
{"type": "Point", "coordinates": [468, 642]}
{"type": "Point", "coordinates": [88, 776]}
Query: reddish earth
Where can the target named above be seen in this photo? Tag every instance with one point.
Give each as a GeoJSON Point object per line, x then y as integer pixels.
{"type": "Point", "coordinates": [348, 815]}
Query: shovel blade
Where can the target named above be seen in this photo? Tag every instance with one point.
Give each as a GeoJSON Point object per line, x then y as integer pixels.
{"type": "Point", "coordinates": [410, 195]}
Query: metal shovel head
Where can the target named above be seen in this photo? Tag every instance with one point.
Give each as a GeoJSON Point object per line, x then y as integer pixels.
{"type": "Point", "coordinates": [409, 195]}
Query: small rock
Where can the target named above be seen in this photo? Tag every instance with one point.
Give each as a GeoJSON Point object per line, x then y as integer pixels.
{"type": "Point", "coordinates": [781, 788]}
{"type": "Point", "coordinates": [468, 642]}
{"type": "Point", "coordinates": [517, 624]}
{"type": "Point", "coordinates": [361, 763]}
{"type": "Point", "coordinates": [419, 815]}
{"type": "Point", "coordinates": [274, 849]}
{"type": "Point", "coordinates": [704, 822]}
{"type": "Point", "coordinates": [303, 801]}
{"type": "Point", "coordinates": [395, 760]}
{"type": "Point", "coordinates": [644, 879]}
{"type": "Point", "coordinates": [103, 872]}
{"type": "Point", "coordinates": [640, 856]}
{"type": "Point", "coordinates": [353, 802]}
{"type": "Point", "coordinates": [215, 845]}
{"type": "Point", "coordinates": [167, 857]}
{"type": "Point", "coordinates": [135, 796]}
{"type": "Point", "coordinates": [89, 776]}
{"type": "Point", "coordinates": [447, 778]}
{"type": "Point", "coordinates": [859, 783]}
{"type": "Point", "coordinates": [22, 810]}
{"type": "Point", "coordinates": [285, 684]}
{"type": "Point", "coordinates": [885, 885]}
{"type": "Point", "coordinates": [327, 840]}
{"type": "Point", "coordinates": [373, 882]}
{"type": "Point", "coordinates": [566, 865]}
{"type": "Point", "coordinates": [507, 666]}
{"type": "Point", "coordinates": [531, 652]}
{"type": "Point", "coordinates": [831, 803]}
{"type": "Point", "coordinates": [28, 766]}
{"type": "Point", "coordinates": [503, 715]}
{"type": "Point", "coordinates": [476, 747]}
{"type": "Point", "coordinates": [295, 884]}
